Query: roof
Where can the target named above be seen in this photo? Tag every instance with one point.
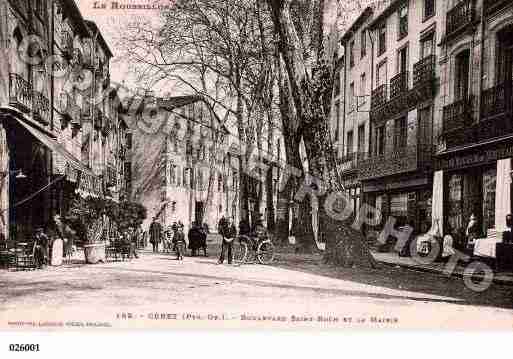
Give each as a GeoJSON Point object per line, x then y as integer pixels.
{"type": "Point", "coordinates": [167, 104]}
{"type": "Point", "coordinates": [357, 23]}
{"type": "Point", "coordinates": [390, 9]}
{"type": "Point", "coordinates": [78, 21]}
{"type": "Point", "coordinates": [94, 28]}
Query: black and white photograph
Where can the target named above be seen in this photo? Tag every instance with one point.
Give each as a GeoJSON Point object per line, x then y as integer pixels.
{"type": "Point", "coordinates": [256, 164]}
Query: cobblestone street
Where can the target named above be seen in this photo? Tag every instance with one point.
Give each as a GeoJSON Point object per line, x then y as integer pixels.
{"type": "Point", "coordinates": [198, 292]}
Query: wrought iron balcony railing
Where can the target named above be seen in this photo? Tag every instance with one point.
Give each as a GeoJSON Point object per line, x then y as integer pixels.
{"type": "Point", "coordinates": [399, 160]}
{"type": "Point", "coordinates": [459, 16]}
{"type": "Point", "coordinates": [497, 100]}
{"type": "Point", "coordinates": [348, 162]}
{"type": "Point", "coordinates": [379, 96]}
{"type": "Point", "coordinates": [424, 70]}
{"type": "Point", "coordinates": [20, 92]}
{"type": "Point", "coordinates": [41, 108]}
{"type": "Point", "coordinates": [492, 6]}
{"type": "Point", "coordinates": [399, 85]}
{"type": "Point", "coordinates": [457, 116]}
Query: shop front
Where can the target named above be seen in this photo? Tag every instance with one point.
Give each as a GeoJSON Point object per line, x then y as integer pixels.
{"type": "Point", "coordinates": [476, 182]}
{"type": "Point", "coordinates": [29, 185]}
{"type": "Point", "coordinates": [406, 198]}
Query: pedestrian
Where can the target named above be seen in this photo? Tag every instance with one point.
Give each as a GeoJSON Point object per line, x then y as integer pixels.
{"type": "Point", "coordinates": [179, 242]}
{"type": "Point", "coordinates": [155, 235]}
{"type": "Point", "coordinates": [132, 239]}
{"type": "Point", "coordinates": [138, 237]}
{"type": "Point", "coordinates": [41, 251]}
{"type": "Point", "coordinates": [195, 238]}
{"type": "Point", "coordinates": [244, 228]}
{"type": "Point", "coordinates": [228, 233]}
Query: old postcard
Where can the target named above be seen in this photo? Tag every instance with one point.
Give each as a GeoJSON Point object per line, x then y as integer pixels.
{"type": "Point", "coordinates": [293, 164]}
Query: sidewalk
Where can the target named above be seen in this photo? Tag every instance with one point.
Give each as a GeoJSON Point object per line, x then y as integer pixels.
{"type": "Point", "coordinates": [393, 259]}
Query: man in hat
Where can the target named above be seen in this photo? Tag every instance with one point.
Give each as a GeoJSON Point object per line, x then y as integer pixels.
{"type": "Point", "coordinates": [155, 235]}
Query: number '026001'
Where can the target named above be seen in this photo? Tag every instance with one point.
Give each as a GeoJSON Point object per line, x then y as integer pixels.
{"type": "Point", "coordinates": [23, 347]}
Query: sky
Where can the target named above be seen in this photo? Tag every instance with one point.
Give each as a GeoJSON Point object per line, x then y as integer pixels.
{"type": "Point", "coordinates": [111, 21]}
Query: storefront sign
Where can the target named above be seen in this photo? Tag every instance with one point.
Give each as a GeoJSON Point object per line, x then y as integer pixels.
{"type": "Point", "coordinates": [476, 158]}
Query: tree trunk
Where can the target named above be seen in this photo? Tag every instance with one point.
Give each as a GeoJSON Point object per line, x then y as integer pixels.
{"type": "Point", "coordinates": [344, 246]}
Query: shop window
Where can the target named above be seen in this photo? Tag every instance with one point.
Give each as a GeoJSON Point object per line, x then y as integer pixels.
{"type": "Point", "coordinates": [489, 184]}
{"type": "Point", "coordinates": [399, 205]}
{"type": "Point", "coordinates": [454, 203]}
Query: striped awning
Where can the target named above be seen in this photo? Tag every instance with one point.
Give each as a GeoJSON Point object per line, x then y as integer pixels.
{"type": "Point", "coordinates": [54, 146]}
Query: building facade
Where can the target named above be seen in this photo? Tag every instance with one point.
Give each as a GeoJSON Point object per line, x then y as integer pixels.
{"type": "Point", "coordinates": [170, 160]}
{"type": "Point", "coordinates": [60, 131]}
{"type": "Point", "coordinates": [475, 122]}
{"type": "Point", "coordinates": [439, 142]}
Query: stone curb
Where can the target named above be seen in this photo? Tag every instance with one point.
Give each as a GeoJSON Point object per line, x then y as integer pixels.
{"type": "Point", "coordinates": [456, 273]}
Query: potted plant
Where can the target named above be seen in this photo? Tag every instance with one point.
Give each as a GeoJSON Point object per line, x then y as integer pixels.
{"type": "Point", "coordinates": [90, 213]}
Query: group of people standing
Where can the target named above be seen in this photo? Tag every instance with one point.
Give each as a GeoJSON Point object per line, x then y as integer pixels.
{"type": "Point", "coordinates": [173, 238]}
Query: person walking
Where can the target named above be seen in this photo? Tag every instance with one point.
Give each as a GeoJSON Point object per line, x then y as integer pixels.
{"type": "Point", "coordinates": [228, 233]}
{"type": "Point", "coordinates": [155, 235]}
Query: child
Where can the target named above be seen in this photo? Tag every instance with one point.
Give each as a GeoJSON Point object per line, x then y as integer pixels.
{"type": "Point", "coordinates": [179, 243]}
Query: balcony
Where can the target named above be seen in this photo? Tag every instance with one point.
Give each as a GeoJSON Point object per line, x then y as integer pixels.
{"type": "Point", "coordinates": [493, 6]}
{"type": "Point", "coordinates": [20, 93]}
{"type": "Point", "coordinates": [424, 71]}
{"type": "Point", "coordinates": [349, 162]}
{"type": "Point", "coordinates": [461, 15]}
{"type": "Point", "coordinates": [496, 100]}
{"type": "Point", "coordinates": [41, 108]}
{"type": "Point", "coordinates": [398, 85]}
{"type": "Point", "coordinates": [457, 117]}
{"type": "Point", "coordinates": [399, 160]}
{"type": "Point", "coordinates": [496, 110]}
{"type": "Point", "coordinates": [379, 97]}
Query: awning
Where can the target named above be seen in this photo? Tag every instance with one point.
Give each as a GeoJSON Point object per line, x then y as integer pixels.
{"type": "Point", "coordinates": [55, 146]}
